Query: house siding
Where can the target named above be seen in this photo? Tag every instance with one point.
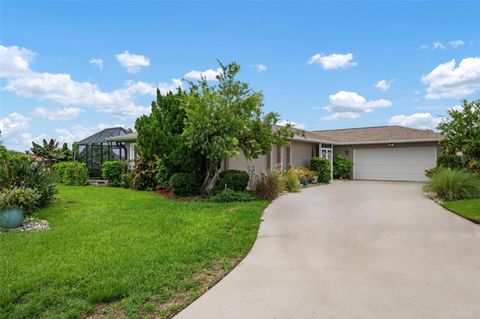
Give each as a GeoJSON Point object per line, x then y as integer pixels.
{"type": "Point", "coordinates": [301, 153]}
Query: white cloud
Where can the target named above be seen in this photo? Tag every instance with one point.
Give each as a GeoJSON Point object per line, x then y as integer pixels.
{"type": "Point", "coordinates": [14, 131]}
{"type": "Point", "coordinates": [438, 45]}
{"type": "Point", "coordinates": [132, 62]}
{"type": "Point", "coordinates": [333, 61]}
{"type": "Point", "coordinates": [97, 62]}
{"type": "Point", "coordinates": [384, 85]}
{"type": "Point", "coordinates": [300, 126]}
{"type": "Point", "coordinates": [259, 67]}
{"type": "Point", "coordinates": [449, 81]}
{"type": "Point", "coordinates": [209, 75]}
{"type": "Point", "coordinates": [345, 104]}
{"type": "Point", "coordinates": [417, 120]}
{"type": "Point", "coordinates": [456, 43]}
{"type": "Point", "coordinates": [62, 89]}
{"type": "Point", "coordinates": [14, 61]}
{"type": "Point", "coordinates": [67, 113]}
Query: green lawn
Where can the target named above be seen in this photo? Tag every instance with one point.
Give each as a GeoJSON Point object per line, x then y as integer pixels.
{"type": "Point", "coordinates": [468, 208]}
{"type": "Point", "coordinates": [121, 253]}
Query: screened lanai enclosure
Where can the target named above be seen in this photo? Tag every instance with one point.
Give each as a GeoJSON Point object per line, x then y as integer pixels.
{"type": "Point", "coordinates": [96, 149]}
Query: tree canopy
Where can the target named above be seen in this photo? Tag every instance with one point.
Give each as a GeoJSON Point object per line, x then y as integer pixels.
{"type": "Point", "coordinates": [50, 152]}
{"type": "Point", "coordinates": [194, 130]}
{"type": "Point", "coordinates": [461, 130]}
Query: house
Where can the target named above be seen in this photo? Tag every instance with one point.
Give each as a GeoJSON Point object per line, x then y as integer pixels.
{"type": "Point", "coordinates": [97, 149]}
{"type": "Point", "coordinates": [394, 153]}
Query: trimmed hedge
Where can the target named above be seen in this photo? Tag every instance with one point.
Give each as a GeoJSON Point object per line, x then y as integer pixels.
{"type": "Point", "coordinates": [112, 171]}
{"type": "Point", "coordinates": [342, 168]}
{"type": "Point", "coordinates": [71, 173]}
{"type": "Point", "coordinates": [184, 184]}
{"type": "Point", "coordinates": [233, 179]}
{"type": "Point", "coordinates": [322, 167]}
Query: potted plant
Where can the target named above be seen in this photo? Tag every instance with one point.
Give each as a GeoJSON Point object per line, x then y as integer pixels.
{"type": "Point", "coordinates": [15, 203]}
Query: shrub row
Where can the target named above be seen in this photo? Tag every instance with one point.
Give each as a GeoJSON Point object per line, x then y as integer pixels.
{"type": "Point", "coordinates": [71, 173]}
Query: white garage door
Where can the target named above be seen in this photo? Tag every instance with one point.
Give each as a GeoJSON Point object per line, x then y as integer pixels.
{"type": "Point", "coordinates": [396, 164]}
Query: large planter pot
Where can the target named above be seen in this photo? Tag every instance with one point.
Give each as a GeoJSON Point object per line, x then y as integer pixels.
{"type": "Point", "coordinates": [11, 217]}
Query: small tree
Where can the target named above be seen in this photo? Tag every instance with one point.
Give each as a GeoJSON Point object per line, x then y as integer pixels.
{"type": "Point", "coordinates": [226, 119]}
{"type": "Point", "coordinates": [160, 136]}
{"type": "Point", "coordinates": [461, 131]}
{"type": "Point", "coordinates": [50, 153]}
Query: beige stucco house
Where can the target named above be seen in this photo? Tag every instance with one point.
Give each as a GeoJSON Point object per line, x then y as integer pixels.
{"type": "Point", "coordinates": [378, 153]}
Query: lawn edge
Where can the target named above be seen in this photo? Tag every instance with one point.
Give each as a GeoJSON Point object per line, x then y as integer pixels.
{"type": "Point", "coordinates": [464, 217]}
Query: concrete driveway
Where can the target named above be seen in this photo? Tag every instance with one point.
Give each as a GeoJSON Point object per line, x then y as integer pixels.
{"type": "Point", "coordinates": [353, 250]}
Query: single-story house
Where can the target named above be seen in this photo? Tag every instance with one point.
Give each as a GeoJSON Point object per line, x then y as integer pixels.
{"type": "Point", "coordinates": [394, 153]}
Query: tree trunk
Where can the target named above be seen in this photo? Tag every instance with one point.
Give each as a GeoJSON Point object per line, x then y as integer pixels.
{"type": "Point", "coordinates": [211, 177]}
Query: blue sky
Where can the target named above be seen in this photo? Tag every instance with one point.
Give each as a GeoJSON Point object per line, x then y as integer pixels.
{"type": "Point", "coordinates": [68, 69]}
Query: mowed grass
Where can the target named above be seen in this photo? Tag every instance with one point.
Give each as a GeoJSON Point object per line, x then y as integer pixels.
{"type": "Point", "coordinates": [121, 253]}
{"type": "Point", "coordinates": [468, 208]}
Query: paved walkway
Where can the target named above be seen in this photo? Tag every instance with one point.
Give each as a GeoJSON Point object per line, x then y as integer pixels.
{"type": "Point", "coordinates": [353, 250]}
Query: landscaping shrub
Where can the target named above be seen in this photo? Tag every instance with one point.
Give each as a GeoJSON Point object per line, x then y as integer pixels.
{"type": "Point", "coordinates": [162, 175]}
{"type": "Point", "coordinates": [25, 198]}
{"type": "Point", "coordinates": [451, 184]}
{"type": "Point", "coordinates": [229, 195]}
{"type": "Point", "coordinates": [474, 167]}
{"type": "Point", "coordinates": [233, 179]}
{"type": "Point", "coordinates": [321, 166]}
{"type": "Point", "coordinates": [292, 183]}
{"type": "Point", "coordinates": [451, 161]}
{"type": "Point", "coordinates": [432, 171]}
{"type": "Point", "coordinates": [17, 170]}
{"type": "Point", "coordinates": [113, 171]}
{"type": "Point", "coordinates": [144, 174]}
{"type": "Point", "coordinates": [184, 184]}
{"type": "Point", "coordinates": [304, 172]}
{"type": "Point", "coordinates": [342, 168]}
{"type": "Point", "coordinates": [270, 185]}
{"type": "Point", "coordinates": [71, 173]}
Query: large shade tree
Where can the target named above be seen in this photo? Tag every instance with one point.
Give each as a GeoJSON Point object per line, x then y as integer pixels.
{"type": "Point", "coordinates": [226, 119]}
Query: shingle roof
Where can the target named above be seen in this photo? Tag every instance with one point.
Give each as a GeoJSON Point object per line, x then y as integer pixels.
{"type": "Point", "coordinates": [103, 135]}
{"type": "Point", "coordinates": [377, 134]}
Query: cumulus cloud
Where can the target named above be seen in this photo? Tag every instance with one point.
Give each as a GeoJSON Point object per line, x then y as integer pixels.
{"type": "Point", "coordinates": [132, 62]}
{"type": "Point", "coordinates": [300, 126]}
{"type": "Point", "coordinates": [62, 89]}
{"type": "Point", "coordinates": [97, 62]}
{"type": "Point", "coordinates": [417, 120]}
{"type": "Point", "coordinates": [209, 75]}
{"type": "Point", "coordinates": [14, 61]}
{"type": "Point", "coordinates": [333, 61]}
{"type": "Point", "coordinates": [384, 85]}
{"type": "Point", "coordinates": [67, 113]}
{"type": "Point", "coordinates": [14, 130]}
{"type": "Point", "coordinates": [450, 81]}
{"type": "Point", "coordinates": [348, 105]}
{"type": "Point", "coordinates": [259, 67]}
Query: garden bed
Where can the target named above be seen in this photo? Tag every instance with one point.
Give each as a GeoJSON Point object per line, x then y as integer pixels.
{"type": "Point", "coordinates": [117, 252]}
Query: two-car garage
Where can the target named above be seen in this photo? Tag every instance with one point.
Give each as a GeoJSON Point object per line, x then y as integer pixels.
{"type": "Point", "coordinates": [396, 164]}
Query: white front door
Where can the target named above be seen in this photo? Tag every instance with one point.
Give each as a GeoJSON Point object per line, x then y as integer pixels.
{"type": "Point", "coordinates": [396, 164]}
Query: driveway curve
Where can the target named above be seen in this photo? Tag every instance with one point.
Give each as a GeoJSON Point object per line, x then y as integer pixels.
{"type": "Point", "coordinates": [353, 249]}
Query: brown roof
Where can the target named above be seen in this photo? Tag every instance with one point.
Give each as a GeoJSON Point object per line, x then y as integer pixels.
{"type": "Point", "coordinates": [377, 134]}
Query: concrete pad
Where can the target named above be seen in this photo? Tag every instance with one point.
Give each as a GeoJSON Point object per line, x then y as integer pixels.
{"type": "Point", "coordinates": [353, 249]}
